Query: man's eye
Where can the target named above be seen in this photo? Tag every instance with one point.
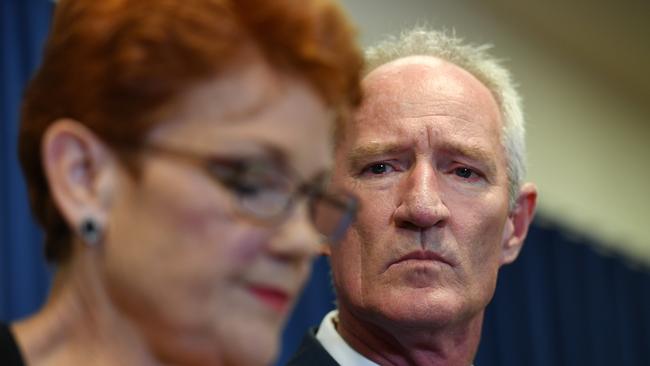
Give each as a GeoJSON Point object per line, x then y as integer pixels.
{"type": "Point", "coordinates": [464, 172]}
{"type": "Point", "coordinates": [378, 168]}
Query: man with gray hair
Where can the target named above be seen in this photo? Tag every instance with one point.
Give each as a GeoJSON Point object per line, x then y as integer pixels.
{"type": "Point", "coordinates": [436, 156]}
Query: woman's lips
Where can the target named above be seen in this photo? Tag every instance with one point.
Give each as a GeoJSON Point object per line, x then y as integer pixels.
{"type": "Point", "coordinates": [274, 298]}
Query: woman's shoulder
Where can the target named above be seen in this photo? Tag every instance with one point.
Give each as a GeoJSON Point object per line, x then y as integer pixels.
{"type": "Point", "coordinates": [9, 351]}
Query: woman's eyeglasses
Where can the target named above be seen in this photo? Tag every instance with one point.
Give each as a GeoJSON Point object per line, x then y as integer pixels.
{"type": "Point", "coordinates": [264, 193]}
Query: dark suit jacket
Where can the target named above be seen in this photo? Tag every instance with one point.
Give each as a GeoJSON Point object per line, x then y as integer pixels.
{"type": "Point", "coordinates": [311, 352]}
{"type": "Point", "coordinates": [9, 351]}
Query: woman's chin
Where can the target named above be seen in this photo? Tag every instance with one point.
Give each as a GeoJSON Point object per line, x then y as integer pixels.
{"type": "Point", "coordinates": [256, 354]}
{"type": "Point", "coordinates": [250, 343]}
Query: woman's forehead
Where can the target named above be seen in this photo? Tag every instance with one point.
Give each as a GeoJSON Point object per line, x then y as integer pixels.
{"type": "Point", "coordinates": [257, 111]}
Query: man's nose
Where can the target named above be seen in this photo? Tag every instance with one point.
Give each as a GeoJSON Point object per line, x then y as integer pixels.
{"type": "Point", "coordinates": [421, 205]}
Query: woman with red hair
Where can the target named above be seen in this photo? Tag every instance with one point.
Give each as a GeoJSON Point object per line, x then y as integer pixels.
{"type": "Point", "coordinates": [176, 156]}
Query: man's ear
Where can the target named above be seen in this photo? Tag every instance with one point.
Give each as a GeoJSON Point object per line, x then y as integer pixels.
{"type": "Point", "coordinates": [79, 170]}
{"type": "Point", "coordinates": [518, 222]}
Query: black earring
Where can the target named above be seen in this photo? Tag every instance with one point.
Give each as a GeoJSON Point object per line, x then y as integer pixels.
{"type": "Point", "coordinates": [90, 231]}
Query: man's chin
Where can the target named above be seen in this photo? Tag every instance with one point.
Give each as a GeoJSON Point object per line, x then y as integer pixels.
{"type": "Point", "coordinates": [427, 312]}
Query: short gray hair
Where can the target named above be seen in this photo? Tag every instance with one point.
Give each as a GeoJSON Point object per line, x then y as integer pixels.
{"type": "Point", "coordinates": [478, 62]}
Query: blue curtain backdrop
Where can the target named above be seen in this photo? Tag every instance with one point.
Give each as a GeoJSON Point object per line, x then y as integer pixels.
{"type": "Point", "coordinates": [561, 303]}
{"type": "Point", "coordinates": [24, 277]}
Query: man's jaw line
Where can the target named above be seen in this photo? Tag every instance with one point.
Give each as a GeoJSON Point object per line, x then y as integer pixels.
{"type": "Point", "coordinates": [430, 347]}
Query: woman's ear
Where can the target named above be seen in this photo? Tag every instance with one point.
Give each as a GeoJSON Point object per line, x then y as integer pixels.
{"type": "Point", "coordinates": [80, 172]}
{"type": "Point", "coordinates": [518, 222]}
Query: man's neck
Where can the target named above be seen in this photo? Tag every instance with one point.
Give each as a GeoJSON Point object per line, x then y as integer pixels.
{"type": "Point", "coordinates": [453, 345]}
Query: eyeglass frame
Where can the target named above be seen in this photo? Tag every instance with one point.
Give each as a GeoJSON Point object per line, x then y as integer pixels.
{"type": "Point", "coordinates": [310, 189]}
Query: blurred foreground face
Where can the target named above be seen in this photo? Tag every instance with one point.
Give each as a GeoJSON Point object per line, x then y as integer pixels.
{"type": "Point", "coordinates": [180, 256]}
{"type": "Point", "coordinates": [425, 159]}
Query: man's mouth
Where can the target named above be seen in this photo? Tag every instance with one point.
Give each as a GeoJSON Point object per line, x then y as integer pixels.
{"type": "Point", "coordinates": [422, 255]}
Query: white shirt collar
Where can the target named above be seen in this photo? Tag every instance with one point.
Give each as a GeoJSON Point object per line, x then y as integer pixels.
{"type": "Point", "coordinates": [336, 346]}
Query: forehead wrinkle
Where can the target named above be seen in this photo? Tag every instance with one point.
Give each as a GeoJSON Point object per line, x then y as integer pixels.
{"type": "Point", "coordinates": [441, 114]}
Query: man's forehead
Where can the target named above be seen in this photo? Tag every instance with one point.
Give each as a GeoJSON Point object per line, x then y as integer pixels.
{"type": "Point", "coordinates": [422, 60]}
{"type": "Point", "coordinates": [417, 85]}
{"type": "Point", "coordinates": [418, 71]}
{"type": "Point", "coordinates": [424, 93]}
{"type": "Point", "coordinates": [409, 64]}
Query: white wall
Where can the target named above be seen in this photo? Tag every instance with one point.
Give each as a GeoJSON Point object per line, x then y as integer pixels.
{"type": "Point", "coordinates": [588, 144]}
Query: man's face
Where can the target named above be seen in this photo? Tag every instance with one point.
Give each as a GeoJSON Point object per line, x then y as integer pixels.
{"type": "Point", "coordinates": [425, 159]}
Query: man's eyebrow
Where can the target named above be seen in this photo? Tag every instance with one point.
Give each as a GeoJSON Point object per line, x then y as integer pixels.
{"type": "Point", "coordinates": [363, 152]}
{"type": "Point", "coordinates": [479, 154]}
{"type": "Point", "coordinates": [472, 152]}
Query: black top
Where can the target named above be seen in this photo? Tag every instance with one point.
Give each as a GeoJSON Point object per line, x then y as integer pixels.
{"type": "Point", "coordinates": [9, 352]}
{"type": "Point", "coordinates": [311, 353]}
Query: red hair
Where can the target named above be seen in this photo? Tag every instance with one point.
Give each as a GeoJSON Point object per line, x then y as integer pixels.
{"type": "Point", "coordinates": [114, 65]}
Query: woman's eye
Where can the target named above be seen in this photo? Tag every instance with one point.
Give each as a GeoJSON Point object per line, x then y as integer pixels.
{"type": "Point", "coordinates": [256, 182]}
{"type": "Point", "coordinates": [246, 188]}
{"type": "Point", "coordinates": [236, 176]}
